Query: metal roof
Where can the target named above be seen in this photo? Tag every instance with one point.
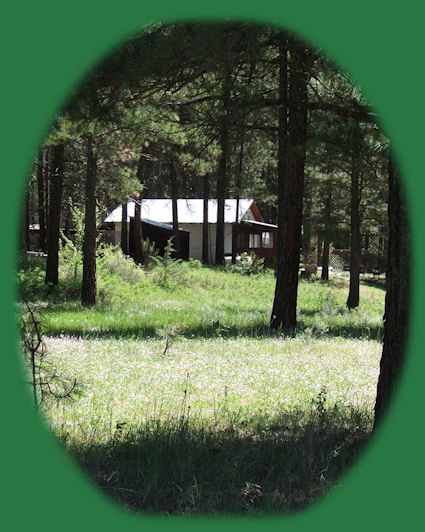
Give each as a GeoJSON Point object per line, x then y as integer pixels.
{"type": "Point", "coordinates": [260, 224]}
{"type": "Point", "coordinates": [162, 225]}
{"type": "Point", "coordinates": [190, 211]}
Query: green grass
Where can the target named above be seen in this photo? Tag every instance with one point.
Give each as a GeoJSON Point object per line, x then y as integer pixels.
{"type": "Point", "coordinates": [211, 302]}
{"type": "Point", "coordinates": [191, 405]}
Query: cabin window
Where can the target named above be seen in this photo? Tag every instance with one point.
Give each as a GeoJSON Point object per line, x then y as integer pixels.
{"type": "Point", "coordinates": [266, 240]}
{"type": "Point", "coordinates": [254, 241]}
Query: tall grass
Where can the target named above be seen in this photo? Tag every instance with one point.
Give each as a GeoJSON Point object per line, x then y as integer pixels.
{"type": "Point", "coordinates": [192, 405]}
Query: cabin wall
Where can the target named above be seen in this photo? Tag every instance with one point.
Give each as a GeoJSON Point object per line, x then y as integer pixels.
{"type": "Point", "coordinates": [195, 240]}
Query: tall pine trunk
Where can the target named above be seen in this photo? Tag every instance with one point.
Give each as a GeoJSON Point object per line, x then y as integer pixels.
{"type": "Point", "coordinates": [355, 237]}
{"type": "Point", "coordinates": [41, 203]}
{"type": "Point", "coordinates": [306, 234]}
{"type": "Point", "coordinates": [224, 160]}
{"type": "Point", "coordinates": [88, 288]}
{"type": "Point", "coordinates": [67, 220]}
{"type": "Point", "coordinates": [25, 222]}
{"type": "Point", "coordinates": [397, 297]}
{"type": "Point", "coordinates": [47, 175]}
{"type": "Point", "coordinates": [326, 243]}
{"type": "Point", "coordinates": [238, 192]}
{"type": "Point", "coordinates": [291, 159]}
{"type": "Point", "coordinates": [205, 225]}
{"type": "Point", "coordinates": [124, 228]}
{"type": "Point", "coordinates": [139, 255]}
{"type": "Point", "coordinates": [55, 201]}
{"type": "Point", "coordinates": [174, 200]}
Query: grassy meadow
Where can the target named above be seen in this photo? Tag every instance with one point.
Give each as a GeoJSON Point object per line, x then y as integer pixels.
{"type": "Point", "coordinates": [189, 404]}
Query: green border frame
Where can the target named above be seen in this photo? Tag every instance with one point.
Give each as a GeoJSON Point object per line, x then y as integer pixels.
{"type": "Point", "coordinates": [47, 47]}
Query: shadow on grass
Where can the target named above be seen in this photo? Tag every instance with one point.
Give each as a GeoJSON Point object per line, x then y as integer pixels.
{"type": "Point", "coordinates": [246, 466]}
{"type": "Point", "coordinates": [255, 330]}
{"type": "Point", "coordinates": [376, 283]}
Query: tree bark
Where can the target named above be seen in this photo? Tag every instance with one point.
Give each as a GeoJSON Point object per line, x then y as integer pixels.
{"type": "Point", "coordinates": [205, 225]}
{"type": "Point", "coordinates": [41, 203]}
{"type": "Point", "coordinates": [47, 174]}
{"type": "Point", "coordinates": [397, 297]}
{"type": "Point", "coordinates": [124, 228]}
{"type": "Point", "coordinates": [88, 288]}
{"type": "Point", "coordinates": [174, 199]}
{"type": "Point", "coordinates": [291, 159]}
{"type": "Point", "coordinates": [355, 237]}
{"type": "Point", "coordinates": [306, 234]}
{"type": "Point", "coordinates": [67, 215]}
{"type": "Point", "coordinates": [53, 227]}
{"type": "Point", "coordinates": [224, 156]}
{"type": "Point", "coordinates": [326, 243]}
{"type": "Point", "coordinates": [139, 255]}
{"type": "Point", "coordinates": [25, 221]}
{"type": "Point", "coordinates": [325, 261]}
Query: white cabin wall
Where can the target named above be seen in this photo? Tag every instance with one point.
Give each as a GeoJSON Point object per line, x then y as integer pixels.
{"type": "Point", "coordinates": [195, 240]}
{"type": "Point", "coordinates": [228, 238]}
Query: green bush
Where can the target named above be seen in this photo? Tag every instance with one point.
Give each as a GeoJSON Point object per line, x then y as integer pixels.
{"type": "Point", "coordinates": [70, 258]}
{"type": "Point", "coordinates": [249, 264]}
{"type": "Point", "coordinates": [111, 260]}
{"type": "Point", "coordinates": [31, 283]}
{"type": "Point", "coordinates": [70, 251]}
{"type": "Point", "coordinates": [166, 271]}
{"type": "Point", "coordinates": [194, 263]}
{"type": "Point", "coordinates": [149, 250]}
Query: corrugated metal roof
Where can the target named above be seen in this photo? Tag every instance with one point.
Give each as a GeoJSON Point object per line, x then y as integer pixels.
{"type": "Point", "coordinates": [189, 211]}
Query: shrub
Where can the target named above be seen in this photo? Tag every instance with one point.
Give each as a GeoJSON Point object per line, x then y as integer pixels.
{"type": "Point", "coordinates": [330, 307]}
{"type": "Point", "coordinates": [46, 382]}
{"type": "Point", "coordinates": [31, 283]}
{"type": "Point", "coordinates": [249, 264]}
{"type": "Point", "coordinates": [149, 250]}
{"type": "Point", "coordinates": [167, 272]}
{"type": "Point", "coordinates": [113, 261]}
{"type": "Point", "coordinates": [70, 258]}
{"type": "Point", "coordinates": [194, 263]}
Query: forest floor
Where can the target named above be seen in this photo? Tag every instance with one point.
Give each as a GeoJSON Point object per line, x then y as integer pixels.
{"type": "Point", "coordinates": [190, 405]}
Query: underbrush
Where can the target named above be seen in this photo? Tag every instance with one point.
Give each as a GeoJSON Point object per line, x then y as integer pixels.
{"type": "Point", "coordinates": [207, 301]}
{"type": "Point", "coordinates": [241, 464]}
{"type": "Point", "coordinates": [191, 404]}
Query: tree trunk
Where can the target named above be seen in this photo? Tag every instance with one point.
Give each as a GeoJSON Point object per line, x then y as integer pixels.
{"type": "Point", "coordinates": [326, 243]}
{"type": "Point", "coordinates": [88, 288]}
{"type": "Point", "coordinates": [25, 221]}
{"type": "Point", "coordinates": [325, 261]}
{"type": "Point", "coordinates": [205, 225]}
{"type": "Point", "coordinates": [291, 158]}
{"type": "Point", "coordinates": [366, 241]}
{"type": "Point", "coordinates": [306, 235]}
{"type": "Point", "coordinates": [224, 157]}
{"type": "Point", "coordinates": [397, 297]}
{"type": "Point", "coordinates": [238, 192]}
{"type": "Point", "coordinates": [47, 175]}
{"type": "Point", "coordinates": [124, 228]}
{"type": "Point", "coordinates": [139, 255]}
{"type": "Point", "coordinates": [41, 205]}
{"type": "Point", "coordinates": [174, 199]}
{"type": "Point", "coordinates": [355, 237]}
{"type": "Point", "coordinates": [67, 217]}
{"type": "Point", "coordinates": [53, 226]}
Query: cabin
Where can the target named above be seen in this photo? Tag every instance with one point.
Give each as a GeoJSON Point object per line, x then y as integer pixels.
{"type": "Point", "coordinates": [246, 232]}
